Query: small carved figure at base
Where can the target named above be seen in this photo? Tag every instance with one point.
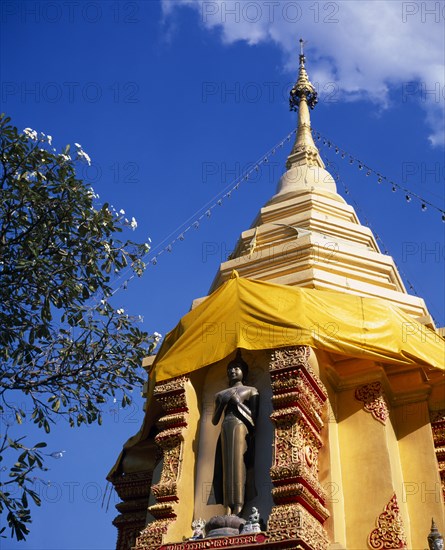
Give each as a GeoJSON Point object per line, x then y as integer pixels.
{"type": "Point", "coordinates": [435, 539]}
{"type": "Point", "coordinates": [224, 526]}
{"type": "Point", "coordinates": [198, 529]}
{"type": "Point", "coordinates": [252, 525]}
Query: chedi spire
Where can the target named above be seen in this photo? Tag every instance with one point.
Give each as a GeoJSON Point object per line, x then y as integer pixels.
{"type": "Point", "coordinates": [302, 97]}
{"type": "Point", "coordinates": [305, 169]}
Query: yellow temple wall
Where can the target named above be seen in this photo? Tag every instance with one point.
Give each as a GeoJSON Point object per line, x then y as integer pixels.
{"type": "Point", "coordinates": [330, 473]}
{"type": "Point", "coordinates": [421, 482]}
{"type": "Point", "coordinates": [364, 461]}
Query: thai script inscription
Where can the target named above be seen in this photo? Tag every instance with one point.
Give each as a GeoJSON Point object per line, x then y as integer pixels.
{"type": "Point", "coordinates": [216, 543]}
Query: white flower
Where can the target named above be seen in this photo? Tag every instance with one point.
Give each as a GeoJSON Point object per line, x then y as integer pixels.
{"type": "Point", "coordinates": [64, 157]}
{"type": "Point", "coordinates": [50, 139]}
{"type": "Point", "coordinates": [81, 155]}
{"type": "Point", "coordinates": [122, 211]}
{"type": "Point", "coordinates": [120, 311]}
{"type": "Point", "coordinates": [133, 224]}
{"type": "Point", "coordinates": [78, 145]}
{"type": "Point", "coordinates": [156, 336]}
{"type": "Point", "coordinates": [31, 134]}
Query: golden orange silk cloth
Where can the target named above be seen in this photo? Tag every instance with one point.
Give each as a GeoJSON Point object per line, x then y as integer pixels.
{"type": "Point", "coordinates": [254, 315]}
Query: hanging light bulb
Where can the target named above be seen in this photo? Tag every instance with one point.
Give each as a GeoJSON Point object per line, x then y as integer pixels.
{"type": "Point", "coordinates": [360, 166]}
{"type": "Point", "coordinates": [379, 179]}
{"type": "Point", "coordinates": [169, 248]}
{"type": "Point", "coordinates": [351, 160]}
{"type": "Point", "coordinates": [181, 237]}
{"type": "Point", "coordinates": [443, 217]}
{"type": "Point", "coordinates": [229, 194]}
{"type": "Point", "coordinates": [423, 207]}
{"type": "Point", "coordinates": [368, 173]}
{"type": "Point", "coordinates": [154, 261]}
{"type": "Point", "coordinates": [343, 155]}
{"type": "Point", "coordinates": [394, 188]}
{"type": "Point", "coordinates": [337, 150]}
{"type": "Point", "coordinates": [408, 198]}
{"type": "Point", "coordinates": [208, 213]}
{"type": "Point", "coordinates": [219, 203]}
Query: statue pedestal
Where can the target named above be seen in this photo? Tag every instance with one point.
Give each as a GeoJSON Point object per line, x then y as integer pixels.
{"type": "Point", "coordinates": [224, 526]}
{"type": "Point", "coordinates": [251, 528]}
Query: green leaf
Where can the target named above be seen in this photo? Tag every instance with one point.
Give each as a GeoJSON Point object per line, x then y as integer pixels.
{"type": "Point", "coordinates": [53, 256]}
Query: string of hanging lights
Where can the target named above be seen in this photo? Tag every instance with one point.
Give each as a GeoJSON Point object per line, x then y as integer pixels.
{"type": "Point", "coordinates": [205, 212]}
{"type": "Point", "coordinates": [333, 170]}
{"type": "Point", "coordinates": [194, 221]}
{"type": "Point", "coordinates": [348, 157]}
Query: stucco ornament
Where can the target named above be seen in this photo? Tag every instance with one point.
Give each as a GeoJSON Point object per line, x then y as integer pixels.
{"type": "Point", "coordinates": [374, 402]}
{"type": "Point", "coordinates": [389, 532]}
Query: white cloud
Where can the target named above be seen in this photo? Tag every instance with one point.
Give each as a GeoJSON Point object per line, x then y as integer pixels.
{"type": "Point", "coordinates": [363, 47]}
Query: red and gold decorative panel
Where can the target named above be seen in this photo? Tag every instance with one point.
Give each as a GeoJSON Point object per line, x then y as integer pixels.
{"type": "Point", "coordinates": [172, 396]}
{"type": "Point", "coordinates": [298, 399]}
{"type": "Point", "coordinates": [389, 532]}
{"type": "Point", "coordinates": [374, 401]}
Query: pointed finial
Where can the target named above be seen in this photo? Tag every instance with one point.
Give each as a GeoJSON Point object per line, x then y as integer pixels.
{"type": "Point", "coordinates": [303, 87]}
{"type": "Point", "coordinates": [302, 96]}
{"type": "Point", "coordinates": [435, 539]}
{"type": "Point", "coordinates": [302, 58]}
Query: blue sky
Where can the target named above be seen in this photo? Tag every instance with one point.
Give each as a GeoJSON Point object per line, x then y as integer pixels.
{"type": "Point", "coordinates": [172, 101]}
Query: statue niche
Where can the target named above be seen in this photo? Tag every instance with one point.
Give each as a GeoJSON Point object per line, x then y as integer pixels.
{"type": "Point", "coordinates": [233, 481]}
